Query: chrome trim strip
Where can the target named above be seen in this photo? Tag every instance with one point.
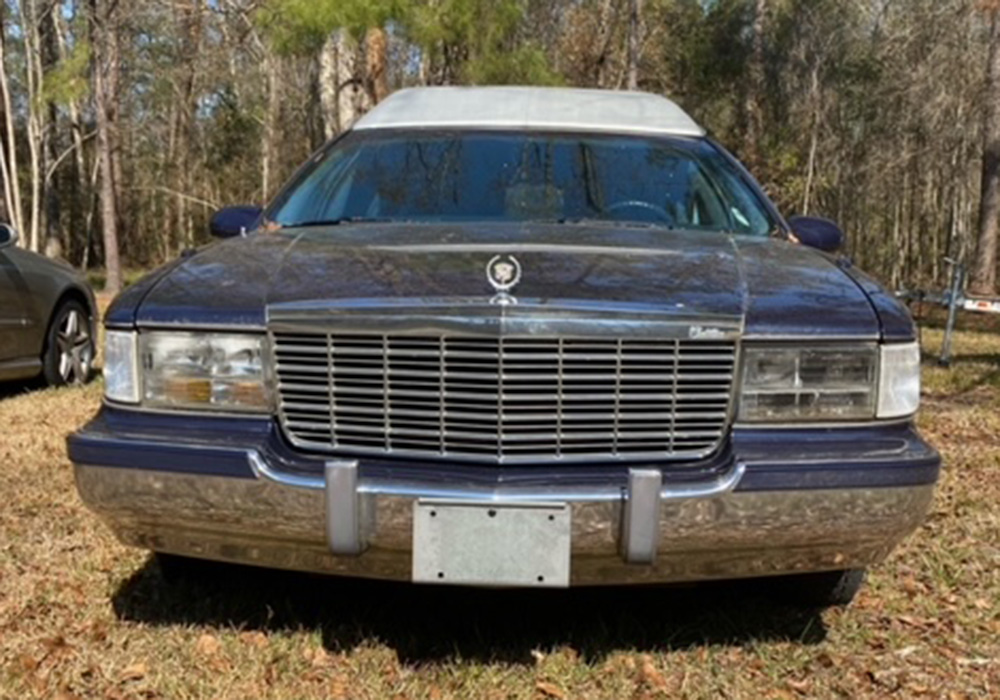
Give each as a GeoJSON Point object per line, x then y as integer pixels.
{"type": "Point", "coordinates": [810, 339]}
{"type": "Point", "coordinates": [197, 327]}
{"type": "Point", "coordinates": [262, 414]}
{"type": "Point", "coordinates": [19, 363]}
{"type": "Point", "coordinates": [476, 316]}
{"type": "Point", "coordinates": [874, 423]}
{"type": "Point", "coordinates": [726, 483]}
{"type": "Point", "coordinates": [641, 522]}
{"type": "Point", "coordinates": [20, 368]}
{"type": "Point", "coordinates": [262, 470]}
{"type": "Point", "coordinates": [344, 533]}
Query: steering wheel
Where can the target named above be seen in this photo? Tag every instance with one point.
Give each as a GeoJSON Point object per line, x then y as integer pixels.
{"type": "Point", "coordinates": [641, 204]}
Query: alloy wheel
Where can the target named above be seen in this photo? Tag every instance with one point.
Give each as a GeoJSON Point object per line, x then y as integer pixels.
{"type": "Point", "coordinates": [75, 348]}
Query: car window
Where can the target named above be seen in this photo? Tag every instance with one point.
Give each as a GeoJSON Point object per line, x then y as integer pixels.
{"type": "Point", "coordinates": [474, 176]}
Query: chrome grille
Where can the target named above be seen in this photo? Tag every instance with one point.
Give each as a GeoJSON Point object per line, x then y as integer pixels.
{"type": "Point", "coordinates": [510, 400]}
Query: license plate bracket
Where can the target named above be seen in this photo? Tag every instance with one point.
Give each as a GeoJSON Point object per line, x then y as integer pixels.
{"type": "Point", "coordinates": [491, 544]}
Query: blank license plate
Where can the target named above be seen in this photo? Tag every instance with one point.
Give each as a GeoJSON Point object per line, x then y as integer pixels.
{"type": "Point", "coordinates": [491, 545]}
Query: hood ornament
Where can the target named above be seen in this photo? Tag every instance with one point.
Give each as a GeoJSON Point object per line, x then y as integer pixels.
{"type": "Point", "coordinates": [504, 273]}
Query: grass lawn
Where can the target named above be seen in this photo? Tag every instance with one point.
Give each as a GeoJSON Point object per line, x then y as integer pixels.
{"type": "Point", "coordinates": [82, 616]}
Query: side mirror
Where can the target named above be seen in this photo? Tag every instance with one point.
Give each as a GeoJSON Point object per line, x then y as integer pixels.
{"type": "Point", "coordinates": [814, 232]}
{"type": "Point", "coordinates": [234, 221]}
{"type": "Point", "coordinates": [8, 235]}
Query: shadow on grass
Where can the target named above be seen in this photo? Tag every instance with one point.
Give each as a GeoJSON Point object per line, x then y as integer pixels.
{"type": "Point", "coordinates": [9, 390]}
{"type": "Point", "coordinates": [931, 358]}
{"type": "Point", "coordinates": [20, 387]}
{"type": "Point", "coordinates": [438, 624]}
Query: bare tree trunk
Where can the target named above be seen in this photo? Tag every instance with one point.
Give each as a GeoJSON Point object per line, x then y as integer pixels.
{"type": "Point", "coordinates": [342, 95]}
{"type": "Point", "coordinates": [755, 89]}
{"type": "Point", "coordinates": [12, 187]}
{"type": "Point", "coordinates": [328, 80]}
{"type": "Point", "coordinates": [190, 27]}
{"type": "Point", "coordinates": [813, 140]}
{"type": "Point", "coordinates": [52, 143]}
{"type": "Point", "coordinates": [376, 60]}
{"type": "Point", "coordinates": [270, 125]}
{"type": "Point", "coordinates": [79, 187]}
{"type": "Point", "coordinates": [35, 116]}
{"type": "Point", "coordinates": [605, 27]}
{"type": "Point", "coordinates": [105, 62]}
{"type": "Point", "coordinates": [984, 270]}
{"type": "Point", "coordinates": [634, 42]}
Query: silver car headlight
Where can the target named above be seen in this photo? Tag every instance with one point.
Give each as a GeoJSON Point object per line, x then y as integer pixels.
{"type": "Point", "coordinates": [815, 384]}
{"type": "Point", "coordinates": [203, 371]}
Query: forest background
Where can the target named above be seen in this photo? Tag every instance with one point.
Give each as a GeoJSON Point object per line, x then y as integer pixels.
{"type": "Point", "coordinates": [125, 123]}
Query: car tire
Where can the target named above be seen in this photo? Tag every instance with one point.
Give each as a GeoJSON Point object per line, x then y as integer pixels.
{"type": "Point", "coordinates": [69, 346]}
{"type": "Point", "coordinates": [824, 589]}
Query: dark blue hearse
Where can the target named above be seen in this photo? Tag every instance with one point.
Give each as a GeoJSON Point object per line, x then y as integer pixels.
{"type": "Point", "coordinates": [515, 337]}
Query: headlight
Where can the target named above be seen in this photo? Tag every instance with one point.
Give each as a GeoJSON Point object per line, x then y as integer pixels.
{"type": "Point", "coordinates": [829, 384]}
{"type": "Point", "coordinates": [808, 384]}
{"type": "Point", "coordinates": [203, 371]}
{"type": "Point", "coordinates": [121, 368]}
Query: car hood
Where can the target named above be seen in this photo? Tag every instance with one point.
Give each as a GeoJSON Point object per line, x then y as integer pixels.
{"type": "Point", "coordinates": [771, 287]}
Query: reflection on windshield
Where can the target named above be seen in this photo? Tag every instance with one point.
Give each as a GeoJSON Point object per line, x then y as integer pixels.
{"type": "Point", "coordinates": [473, 176]}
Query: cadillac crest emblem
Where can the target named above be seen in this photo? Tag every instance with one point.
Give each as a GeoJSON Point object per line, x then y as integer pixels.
{"type": "Point", "coordinates": [503, 272]}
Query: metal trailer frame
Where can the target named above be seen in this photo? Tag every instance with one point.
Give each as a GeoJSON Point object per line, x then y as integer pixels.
{"type": "Point", "coordinates": [954, 299]}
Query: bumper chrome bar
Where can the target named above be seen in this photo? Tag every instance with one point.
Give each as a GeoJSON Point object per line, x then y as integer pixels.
{"type": "Point", "coordinates": [642, 532]}
{"type": "Point", "coordinates": [349, 525]}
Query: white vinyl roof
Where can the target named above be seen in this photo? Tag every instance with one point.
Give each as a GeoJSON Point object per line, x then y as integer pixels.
{"type": "Point", "coordinates": [551, 109]}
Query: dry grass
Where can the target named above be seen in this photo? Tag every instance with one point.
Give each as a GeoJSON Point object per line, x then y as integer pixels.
{"type": "Point", "coordinates": [82, 616]}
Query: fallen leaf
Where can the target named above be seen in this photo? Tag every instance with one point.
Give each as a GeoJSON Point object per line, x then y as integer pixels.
{"type": "Point", "coordinates": [208, 645]}
{"type": "Point", "coordinates": [54, 643]}
{"type": "Point", "coordinates": [978, 661]}
{"type": "Point", "coordinates": [801, 686]}
{"type": "Point", "coordinates": [134, 672]}
{"type": "Point", "coordinates": [650, 676]}
{"type": "Point", "coordinates": [321, 658]}
{"type": "Point", "coordinates": [825, 660]}
{"type": "Point", "coordinates": [550, 690]}
{"type": "Point", "coordinates": [257, 640]}
{"type": "Point", "coordinates": [338, 688]}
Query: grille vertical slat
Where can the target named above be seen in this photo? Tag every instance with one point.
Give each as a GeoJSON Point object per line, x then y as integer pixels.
{"type": "Point", "coordinates": [509, 399]}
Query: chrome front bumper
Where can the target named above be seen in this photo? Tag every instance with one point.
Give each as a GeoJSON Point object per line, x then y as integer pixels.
{"type": "Point", "coordinates": [644, 532]}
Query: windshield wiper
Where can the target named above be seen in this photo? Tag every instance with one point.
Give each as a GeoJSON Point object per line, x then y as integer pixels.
{"type": "Point", "coordinates": [314, 223]}
{"type": "Point", "coordinates": [617, 222]}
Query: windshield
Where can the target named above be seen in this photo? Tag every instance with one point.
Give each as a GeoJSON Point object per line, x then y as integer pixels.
{"type": "Point", "coordinates": [422, 176]}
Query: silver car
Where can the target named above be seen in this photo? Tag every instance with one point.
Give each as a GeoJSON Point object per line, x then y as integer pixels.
{"type": "Point", "coordinates": [47, 314]}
